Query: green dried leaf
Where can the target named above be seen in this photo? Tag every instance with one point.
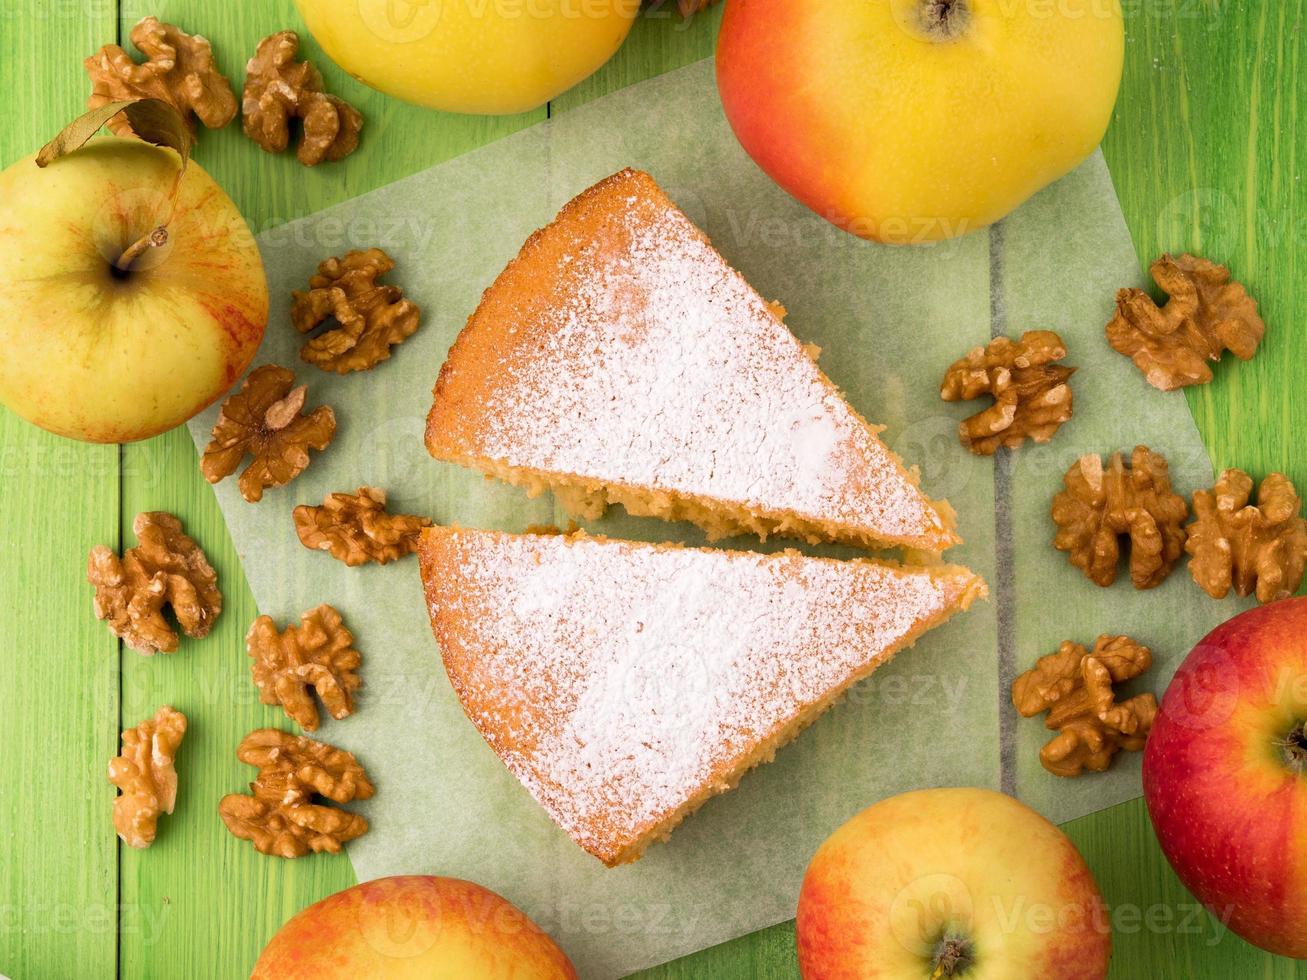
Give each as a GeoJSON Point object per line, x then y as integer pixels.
{"type": "Point", "coordinates": [152, 120]}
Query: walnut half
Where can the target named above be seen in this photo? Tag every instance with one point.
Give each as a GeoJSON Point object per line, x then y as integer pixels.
{"type": "Point", "coordinates": [1074, 685]}
{"type": "Point", "coordinates": [371, 317]}
{"type": "Point", "coordinates": [146, 774]}
{"type": "Point", "coordinates": [1101, 504]}
{"type": "Point", "coordinates": [1206, 315]}
{"type": "Point", "coordinates": [318, 655]}
{"type": "Point", "coordinates": [280, 816]}
{"type": "Point", "coordinates": [1260, 548]}
{"type": "Point", "coordinates": [355, 528]}
{"type": "Point", "coordinates": [265, 420]}
{"type": "Point", "coordinates": [278, 89]}
{"type": "Point", "coordinates": [1031, 395]}
{"type": "Point", "coordinates": [179, 70]}
{"type": "Point", "coordinates": [166, 568]}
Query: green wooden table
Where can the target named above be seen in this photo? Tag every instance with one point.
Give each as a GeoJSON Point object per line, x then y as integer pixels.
{"type": "Point", "coordinates": [1207, 149]}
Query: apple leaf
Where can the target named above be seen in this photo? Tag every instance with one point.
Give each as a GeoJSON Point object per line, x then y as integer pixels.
{"type": "Point", "coordinates": [153, 120]}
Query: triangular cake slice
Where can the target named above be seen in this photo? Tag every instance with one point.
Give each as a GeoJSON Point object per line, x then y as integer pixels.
{"type": "Point", "coordinates": [620, 359]}
{"type": "Point", "coordinates": [625, 683]}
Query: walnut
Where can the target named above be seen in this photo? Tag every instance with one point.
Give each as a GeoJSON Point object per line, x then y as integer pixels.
{"type": "Point", "coordinates": [278, 89]}
{"type": "Point", "coordinates": [1031, 395]}
{"type": "Point", "coordinates": [318, 655]}
{"type": "Point", "coordinates": [165, 568]}
{"type": "Point", "coordinates": [356, 529]}
{"type": "Point", "coordinates": [1074, 685]}
{"type": "Point", "coordinates": [370, 317]}
{"type": "Point", "coordinates": [179, 70]}
{"type": "Point", "coordinates": [146, 775]}
{"type": "Point", "coordinates": [264, 420]}
{"type": "Point", "coordinates": [280, 815]}
{"type": "Point", "coordinates": [1099, 505]}
{"type": "Point", "coordinates": [1206, 315]}
{"type": "Point", "coordinates": [1232, 542]}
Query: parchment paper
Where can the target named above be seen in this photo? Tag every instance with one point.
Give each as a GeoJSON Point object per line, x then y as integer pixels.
{"type": "Point", "coordinates": [889, 321]}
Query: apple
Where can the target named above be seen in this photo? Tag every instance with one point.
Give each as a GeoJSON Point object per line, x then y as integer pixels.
{"type": "Point", "coordinates": [482, 56]}
{"type": "Point", "coordinates": [915, 120]}
{"type": "Point", "coordinates": [1225, 775]}
{"type": "Point", "coordinates": [418, 927]}
{"type": "Point", "coordinates": [97, 352]}
{"type": "Point", "coordinates": [945, 883]}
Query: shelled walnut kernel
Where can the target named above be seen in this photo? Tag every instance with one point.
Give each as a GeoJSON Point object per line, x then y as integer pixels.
{"type": "Point", "coordinates": [1207, 314]}
{"type": "Point", "coordinates": [1261, 548]}
{"type": "Point", "coordinates": [179, 69]}
{"type": "Point", "coordinates": [147, 775]}
{"type": "Point", "coordinates": [371, 317]}
{"type": "Point", "coordinates": [355, 527]}
{"type": "Point", "coordinates": [1031, 396]}
{"type": "Point", "coordinates": [318, 656]}
{"type": "Point", "coordinates": [1074, 685]}
{"type": "Point", "coordinates": [265, 420]}
{"type": "Point", "coordinates": [1101, 504]}
{"type": "Point", "coordinates": [279, 815]}
{"type": "Point", "coordinates": [166, 568]}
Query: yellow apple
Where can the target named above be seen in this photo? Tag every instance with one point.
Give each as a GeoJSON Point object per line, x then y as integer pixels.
{"type": "Point", "coordinates": [91, 351]}
{"type": "Point", "coordinates": [916, 120]}
{"type": "Point", "coordinates": [481, 56]}
{"type": "Point", "coordinates": [412, 927]}
{"type": "Point", "coordinates": [942, 883]}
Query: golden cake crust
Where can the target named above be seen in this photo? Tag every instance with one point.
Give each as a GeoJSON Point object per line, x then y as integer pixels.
{"type": "Point", "coordinates": [619, 358]}
{"type": "Point", "coordinates": [625, 683]}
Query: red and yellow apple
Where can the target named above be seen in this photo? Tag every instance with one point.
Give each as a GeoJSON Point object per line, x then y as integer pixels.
{"type": "Point", "coordinates": [412, 927]}
{"type": "Point", "coordinates": [1225, 775]}
{"type": "Point", "coordinates": [96, 352]}
{"type": "Point", "coordinates": [915, 120]}
{"type": "Point", "coordinates": [483, 56]}
{"type": "Point", "coordinates": [950, 883]}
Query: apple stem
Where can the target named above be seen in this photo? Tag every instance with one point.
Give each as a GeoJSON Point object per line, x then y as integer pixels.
{"type": "Point", "coordinates": [944, 19]}
{"type": "Point", "coordinates": [952, 958]}
{"type": "Point", "coordinates": [155, 239]}
{"type": "Point", "coordinates": [1295, 747]}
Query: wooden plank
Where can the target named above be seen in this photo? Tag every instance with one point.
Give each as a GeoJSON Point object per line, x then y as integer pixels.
{"type": "Point", "coordinates": [59, 671]}
{"type": "Point", "coordinates": [218, 900]}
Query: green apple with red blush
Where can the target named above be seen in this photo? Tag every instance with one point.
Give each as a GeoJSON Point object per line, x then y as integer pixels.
{"type": "Point", "coordinates": [112, 330]}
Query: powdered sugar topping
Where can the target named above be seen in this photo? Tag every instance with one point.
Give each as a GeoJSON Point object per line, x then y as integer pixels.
{"type": "Point", "coordinates": [663, 368]}
{"type": "Point", "coordinates": [617, 679]}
